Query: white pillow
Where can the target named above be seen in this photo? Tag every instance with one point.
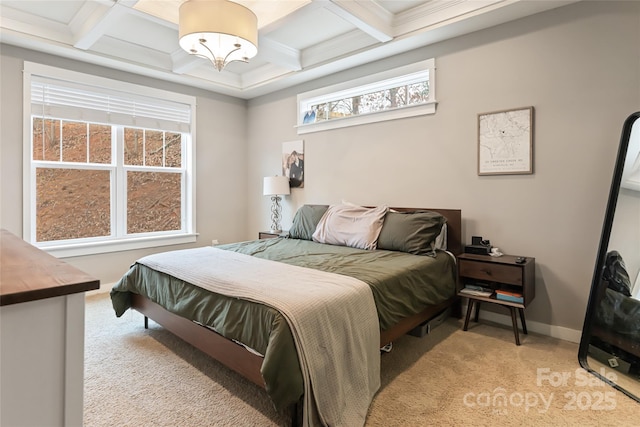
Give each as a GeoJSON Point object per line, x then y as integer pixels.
{"type": "Point", "coordinates": [348, 225]}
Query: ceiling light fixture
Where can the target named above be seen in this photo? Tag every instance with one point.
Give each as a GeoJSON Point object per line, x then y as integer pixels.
{"type": "Point", "coordinates": [219, 30]}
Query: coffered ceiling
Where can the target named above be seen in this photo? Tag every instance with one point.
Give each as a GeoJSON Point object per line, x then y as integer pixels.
{"type": "Point", "coordinates": [299, 40]}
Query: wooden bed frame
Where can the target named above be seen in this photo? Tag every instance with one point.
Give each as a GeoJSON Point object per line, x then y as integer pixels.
{"type": "Point", "coordinates": [247, 364]}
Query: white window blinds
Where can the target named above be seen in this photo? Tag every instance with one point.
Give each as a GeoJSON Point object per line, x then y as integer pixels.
{"type": "Point", "coordinates": [80, 102]}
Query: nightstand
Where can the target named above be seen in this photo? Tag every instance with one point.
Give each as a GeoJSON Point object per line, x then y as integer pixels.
{"type": "Point", "coordinates": [497, 274]}
{"type": "Point", "coordinates": [270, 234]}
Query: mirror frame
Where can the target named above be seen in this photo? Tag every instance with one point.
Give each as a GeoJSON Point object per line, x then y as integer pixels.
{"type": "Point", "coordinates": [593, 302]}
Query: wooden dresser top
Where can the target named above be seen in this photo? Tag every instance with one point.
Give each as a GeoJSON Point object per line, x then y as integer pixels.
{"type": "Point", "coordinates": [28, 273]}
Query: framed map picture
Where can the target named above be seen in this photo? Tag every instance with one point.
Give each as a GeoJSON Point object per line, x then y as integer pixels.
{"type": "Point", "coordinates": [505, 142]}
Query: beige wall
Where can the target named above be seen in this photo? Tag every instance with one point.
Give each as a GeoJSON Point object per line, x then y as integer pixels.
{"type": "Point", "coordinates": [219, 158]}
{"type": "Point", "coordinates": [578, 66]}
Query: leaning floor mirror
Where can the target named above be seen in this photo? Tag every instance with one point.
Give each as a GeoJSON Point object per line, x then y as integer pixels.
{"type": "Point", "coordinates": [610, 343]}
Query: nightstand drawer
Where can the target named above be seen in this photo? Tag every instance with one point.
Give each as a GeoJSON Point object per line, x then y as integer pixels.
{"type": "Point", "coordinates": [491, 272]}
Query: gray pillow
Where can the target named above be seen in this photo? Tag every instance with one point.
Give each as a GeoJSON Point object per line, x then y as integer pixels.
{"type": "Point", "coordinates": [411, 232]}
{"type": "Point", "coordinates": [306, 220]}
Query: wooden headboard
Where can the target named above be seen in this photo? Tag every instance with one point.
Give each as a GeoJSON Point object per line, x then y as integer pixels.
{"type": "Point", "coordinates": [454, 226]}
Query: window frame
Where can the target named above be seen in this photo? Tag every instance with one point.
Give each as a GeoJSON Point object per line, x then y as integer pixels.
{"type": "Point", "coordinates": [364, 85]}
{"type": "Point", "coordinates": [117, 241]}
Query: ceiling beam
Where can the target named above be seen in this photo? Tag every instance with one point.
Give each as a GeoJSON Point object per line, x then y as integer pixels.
{"type": "Point", "coordinates": [279, 54]}
{"type": "Point", "coordinates": [31, 26]}
{"type": "Point", "coordinates": [369, 17]}
{"type": "Point", "coordinates": [436, 12]}
{"type": "Point", "coordinates": [91, 23]}
{"type": "Point", "coordinates": [340, 46]}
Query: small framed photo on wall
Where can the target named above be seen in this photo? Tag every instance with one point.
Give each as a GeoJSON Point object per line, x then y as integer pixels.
{"type": "Point", "coordinates": [293, 163]}
{"type": "Point", "coordinates": [505, 142]}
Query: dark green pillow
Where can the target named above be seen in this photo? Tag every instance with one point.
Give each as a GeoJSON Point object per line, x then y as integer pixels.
{"type": "Point", "coordinates": [306, 220]}
{"type": "Point", "coordinates": [411, 232]}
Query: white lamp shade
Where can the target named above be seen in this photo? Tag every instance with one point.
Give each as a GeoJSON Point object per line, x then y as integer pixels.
{"type": "Point", "coordinates": [275, 185]}
{"type": "Point", "coordinates": [222, 31]}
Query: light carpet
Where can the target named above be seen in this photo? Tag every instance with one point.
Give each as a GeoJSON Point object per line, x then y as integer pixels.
{"type": "Point", "coordinates": [138, 377]}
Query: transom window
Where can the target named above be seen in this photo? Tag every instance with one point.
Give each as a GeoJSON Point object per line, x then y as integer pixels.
{"type": "Point", "coordinates": [107, 169]}
{"type": "Point", "coordinates": [402, 92]}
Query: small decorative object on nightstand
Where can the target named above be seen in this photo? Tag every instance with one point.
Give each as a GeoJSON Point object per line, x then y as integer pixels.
{"type": "Point", "coordinates": [507, 280]}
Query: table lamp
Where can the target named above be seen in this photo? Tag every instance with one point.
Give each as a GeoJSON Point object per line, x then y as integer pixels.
{"type": "Point", "coordinates": [275, 186]}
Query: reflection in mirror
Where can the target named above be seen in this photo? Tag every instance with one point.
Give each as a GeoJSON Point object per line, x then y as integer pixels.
{"type": "Point", "coordinates": [610, 343]}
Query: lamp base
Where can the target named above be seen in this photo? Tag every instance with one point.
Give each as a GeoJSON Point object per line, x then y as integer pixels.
{"type": "Point", "coordinates": [276, 209]}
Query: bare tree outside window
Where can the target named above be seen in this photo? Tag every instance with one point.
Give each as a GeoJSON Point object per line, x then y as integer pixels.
{"type": "Point", "coordinates": [74, 142]}
{"type": "Point", "coordinates": [99, 143]}
{"type": "Point", "coordinates": [134, 146]}
{"type": "Point", "coordinates": [75, 171]}
{"type": "Point", "coordinates": [46, 139]}
{"type": "Point", "coordinates": [381, 100]}
{"type": "Point", "coordinates": [402, 92]}
{"type": "Point", "coordinates": [173, 150]}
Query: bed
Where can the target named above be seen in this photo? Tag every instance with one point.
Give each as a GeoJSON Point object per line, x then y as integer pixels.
{"type": "Point", "coordinates": [410, 282]}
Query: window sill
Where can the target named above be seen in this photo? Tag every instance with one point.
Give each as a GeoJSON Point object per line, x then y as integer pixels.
{"type": "Point", "coordinates": [400, 113]}
{"type": "Point", "coordinates": [92, 248]}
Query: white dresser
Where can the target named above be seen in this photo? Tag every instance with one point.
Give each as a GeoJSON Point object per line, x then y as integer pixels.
{"type": "Point", "coordinates": [41, 336]}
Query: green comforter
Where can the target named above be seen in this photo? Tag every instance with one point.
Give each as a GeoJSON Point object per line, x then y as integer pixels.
{"type": "Point", "coordinates": [402, 285]}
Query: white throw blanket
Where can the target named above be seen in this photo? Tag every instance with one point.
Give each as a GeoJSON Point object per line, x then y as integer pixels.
{"type": "Point", "coordinates": [332, 317]}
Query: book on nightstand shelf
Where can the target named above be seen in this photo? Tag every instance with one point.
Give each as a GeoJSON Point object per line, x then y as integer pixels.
{"type": "Point", "coordinates": [478, 291]}
{"type": "Point", "coordinates": [509, 296]}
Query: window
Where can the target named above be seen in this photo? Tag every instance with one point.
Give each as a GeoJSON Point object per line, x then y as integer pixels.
{"type": "Point", "coordinates": [403, 92]}
{"type": "Point", "coordinates": [108, 165]}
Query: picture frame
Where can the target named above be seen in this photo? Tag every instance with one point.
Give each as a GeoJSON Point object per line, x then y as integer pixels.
{"type": "Point", "coordinates": [293, 163]}
{"type": "Point", "coordinates": [505, 142]}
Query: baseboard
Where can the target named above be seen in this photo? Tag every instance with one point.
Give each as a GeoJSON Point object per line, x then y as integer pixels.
{"type": "Point", "coordinates": [560, 332]}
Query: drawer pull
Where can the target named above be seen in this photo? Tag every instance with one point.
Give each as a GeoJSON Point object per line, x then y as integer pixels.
{"type": "Point", "coordinates": [487, 272]}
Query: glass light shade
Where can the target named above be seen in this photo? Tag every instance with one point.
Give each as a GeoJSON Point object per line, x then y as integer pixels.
{"type": "Point", "coordinates": [275, 185]}
{"type": "Point", "coordinates": [219, 30]}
